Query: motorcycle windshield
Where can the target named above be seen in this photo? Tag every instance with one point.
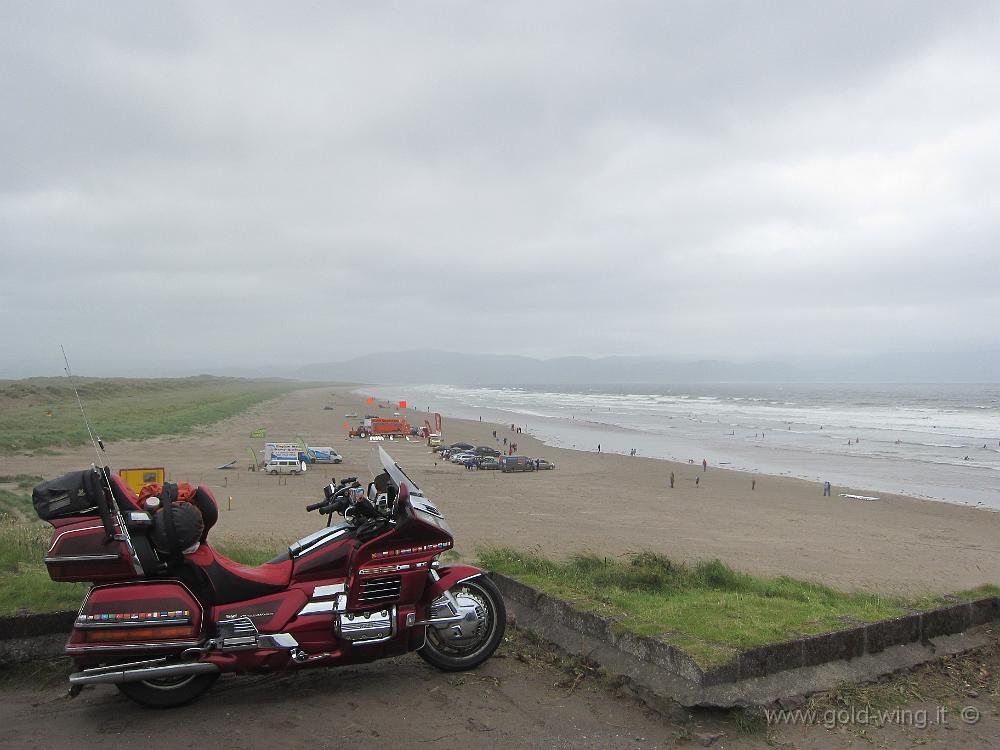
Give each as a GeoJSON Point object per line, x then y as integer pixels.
{"type": "Point", "coordinates": [395, 471]}
{"type": "Point", "coordinates": [399, 477]}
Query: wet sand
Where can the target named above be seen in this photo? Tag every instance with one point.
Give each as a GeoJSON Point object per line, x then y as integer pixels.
{"type": "Point", "coordinates": [608, 504]}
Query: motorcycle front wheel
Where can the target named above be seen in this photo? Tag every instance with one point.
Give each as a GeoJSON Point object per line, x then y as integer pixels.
{"type": "Point", "coordinates": [465, 646]}
{"type": "Point", "coordinates": [168, 692]}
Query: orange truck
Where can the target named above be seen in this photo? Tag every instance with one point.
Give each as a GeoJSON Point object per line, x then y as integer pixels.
{"type": "Point", "coordinates": [379, 426]}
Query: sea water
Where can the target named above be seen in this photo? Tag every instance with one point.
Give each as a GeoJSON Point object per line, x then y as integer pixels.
{"type": "Point", "coordinates": [939, 442]}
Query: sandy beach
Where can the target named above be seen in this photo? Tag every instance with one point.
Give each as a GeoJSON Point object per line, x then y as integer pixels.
{"type": "Point", "coordinates": [609, 504]}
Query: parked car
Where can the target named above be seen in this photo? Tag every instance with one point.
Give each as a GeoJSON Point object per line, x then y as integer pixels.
{"type": "Point", "coordinates": [541, 463]}
{"type": "Point", "coordinates": [485, 450]}
{"type": "Point", "coordinates": [488, 463]}
{"type": "Point", "coordinates": [284, 466]}
{"type": "Point", "coordinates": [516, 463]}
{"type": "Point", "coordinates": [434, 440]}
{"type": "Point", "coordinates": [458, 458]}
{"type": "Point", "coordinates": [462, 446]}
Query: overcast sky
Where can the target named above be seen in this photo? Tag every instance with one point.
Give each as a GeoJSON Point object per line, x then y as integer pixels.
{"type": "Point", "coordinates": [189, 186]}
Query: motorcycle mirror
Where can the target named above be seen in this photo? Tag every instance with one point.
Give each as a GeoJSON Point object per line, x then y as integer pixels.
{"type": "Point", "coordinates": [328, 491]}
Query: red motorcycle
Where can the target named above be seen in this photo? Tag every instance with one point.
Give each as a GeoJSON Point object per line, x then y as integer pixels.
{"type": "Point", "coordinates": [164, 619]}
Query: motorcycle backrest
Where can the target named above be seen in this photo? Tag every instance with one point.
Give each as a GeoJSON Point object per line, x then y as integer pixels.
{"type": "Point", "coordinates": [209, 508]}
{"type": "Point", "coordinates": [122, 494]}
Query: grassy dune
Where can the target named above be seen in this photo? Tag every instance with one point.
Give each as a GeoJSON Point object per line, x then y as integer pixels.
{"type": "Point", "coordinates": [42, 413]}
{"type": "Point", "coordinates": [708, 609]}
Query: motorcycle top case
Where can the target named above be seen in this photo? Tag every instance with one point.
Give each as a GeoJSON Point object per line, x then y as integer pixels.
{"type": "Point", "coordinates": [74, 494]}
{"type": "Point", "coordinates": [81, 551]}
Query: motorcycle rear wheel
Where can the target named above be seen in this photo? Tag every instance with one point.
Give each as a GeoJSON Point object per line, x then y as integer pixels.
{"type": "Point", "coordinates": [450, 656]}
{"type": "Point", "coordinates": [169, 692]}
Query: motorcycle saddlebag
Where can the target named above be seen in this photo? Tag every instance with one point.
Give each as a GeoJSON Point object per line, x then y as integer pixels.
{"type": "Point", "coordinates": [136, 616]}
{"type": "Point", "coordinates": [74, 494]}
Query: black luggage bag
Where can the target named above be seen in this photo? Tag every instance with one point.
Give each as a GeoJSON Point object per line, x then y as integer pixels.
{"type": "Point", "coordinates": [73, 494]}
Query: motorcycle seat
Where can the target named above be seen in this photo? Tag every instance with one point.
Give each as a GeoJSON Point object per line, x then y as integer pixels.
{"type": "Point", "coordinates": [232, 582]}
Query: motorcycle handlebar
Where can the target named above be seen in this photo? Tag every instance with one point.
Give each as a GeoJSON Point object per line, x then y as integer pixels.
{"type": "Point", "coordinates": [339, 501]}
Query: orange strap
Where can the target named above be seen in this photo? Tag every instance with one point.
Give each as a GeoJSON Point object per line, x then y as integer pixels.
{"type": "Point", "coordinates": [185, 492]}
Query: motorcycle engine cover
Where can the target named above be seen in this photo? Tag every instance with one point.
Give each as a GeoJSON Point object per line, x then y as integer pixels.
{"type": "Point", "coordinates": [362, 627]}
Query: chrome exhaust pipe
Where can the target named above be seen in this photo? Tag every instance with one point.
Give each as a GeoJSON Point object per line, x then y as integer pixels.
{"type": "Point", "coordinates": [129, 673]}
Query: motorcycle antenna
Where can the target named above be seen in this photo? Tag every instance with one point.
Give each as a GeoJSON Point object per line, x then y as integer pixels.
{"type": "Point", "coordinates": [104, 471]}
{"type": "Point", "coordinates": [95, 439]}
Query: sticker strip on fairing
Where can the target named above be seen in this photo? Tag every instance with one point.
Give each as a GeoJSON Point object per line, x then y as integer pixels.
{"type": "Point", "coordinates": [394, 568]}
{"type": "Point", "coordinates": [128, 617]}
{"type": "Point", "coordinates": [411, 550]}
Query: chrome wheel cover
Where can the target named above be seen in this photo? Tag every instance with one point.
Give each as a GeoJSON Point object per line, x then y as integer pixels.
{"type": "Point", "coordinates": [474, 632]}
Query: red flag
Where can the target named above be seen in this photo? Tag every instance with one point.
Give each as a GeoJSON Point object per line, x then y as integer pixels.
{"type": "Point", "coordinates": [402, 404]}
{"type": "Point", "coordinates": [371, 400]}
{"type": "Point", "coordinates": [437, 423]}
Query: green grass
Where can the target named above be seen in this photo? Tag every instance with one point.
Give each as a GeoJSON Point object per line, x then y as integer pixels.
{"type": "Point", "coordinates": [23, 481]}
{"type": "Point", "coordinates": [25, 585]}
{"type": "Point", "coordinates": [39, 414]}
{"type": "Point", "coordinates": [708, 609]}
{"type": "Point", "coordinates": [16, 504]}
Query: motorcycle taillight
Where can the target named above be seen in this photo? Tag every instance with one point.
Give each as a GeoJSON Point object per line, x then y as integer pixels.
{"type": "Point", "coordinates": [129, 634]}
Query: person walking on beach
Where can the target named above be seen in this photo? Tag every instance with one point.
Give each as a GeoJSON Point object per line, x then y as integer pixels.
{"type": "Point", "coordinates": [704, 464]}
{"type": "Point", "coordinates": [598, 447]}
{"type": "Point", "coordinates": [753, 484]}
{"type": "Point", "coordinates": [826, 489]}
{"type": "Point", "coordinates": [697, 481]}
{"type": "Point", "coordinates": [671, 480]}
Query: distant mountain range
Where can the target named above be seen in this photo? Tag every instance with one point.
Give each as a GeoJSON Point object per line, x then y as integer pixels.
{"type": "Point", "coordinates": [429, 366]}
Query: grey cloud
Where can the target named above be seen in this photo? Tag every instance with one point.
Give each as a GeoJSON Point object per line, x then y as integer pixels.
{"type": "Point", "coordinates": [692, 179]}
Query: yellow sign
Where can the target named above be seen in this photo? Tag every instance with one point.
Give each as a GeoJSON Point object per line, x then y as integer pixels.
{"type": "Point", "coordinates": [138, 478]}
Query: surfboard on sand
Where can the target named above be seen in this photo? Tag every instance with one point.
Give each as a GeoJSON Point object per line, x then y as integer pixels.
{"type": "Point", "coordinates": [229, 465]}
{"type": "Point", "coordinates": [858, 497]}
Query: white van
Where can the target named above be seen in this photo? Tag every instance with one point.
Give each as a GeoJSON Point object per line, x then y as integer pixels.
{"type": "Point", "coordinates": [325, 455]}
{"type": "Point", "coordinates": [284, 465]}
